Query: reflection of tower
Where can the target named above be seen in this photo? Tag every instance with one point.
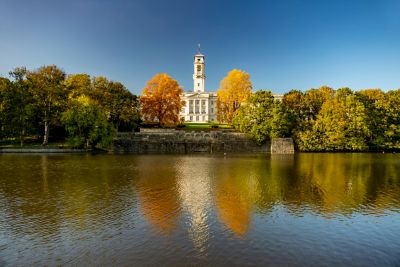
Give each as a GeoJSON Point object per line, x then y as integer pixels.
{"type": "Point", "coordinates": [198, 72]}
{"type": "Point", "coordinates": [195, 194]}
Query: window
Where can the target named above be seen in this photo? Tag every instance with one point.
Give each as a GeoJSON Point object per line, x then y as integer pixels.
{"type": "Point", "coordinates": [197, 102]}
{"type": "Point", "coordinates": [203, 102]}
{"type": "Point", "coordinates": [198, 84]}
{"type": "Point", "coordinates": [198, 59]}
{"type": "Point", "coordinates": [190, 102]}
{"type": "Point", "coordinates": [212, 110]}
{"type": "Point", "coordinates": [191, 118]}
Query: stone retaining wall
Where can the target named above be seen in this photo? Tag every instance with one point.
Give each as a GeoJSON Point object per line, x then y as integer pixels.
{"type": "Point", "coordinates": [186, 142]}
{"type": "Point", "coordinates": [282, 146]}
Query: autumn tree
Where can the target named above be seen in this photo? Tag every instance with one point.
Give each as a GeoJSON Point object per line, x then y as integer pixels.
{"type": "Point", "coordinates": [234, 89]}
{"type": "Point", "coordinates": [49, 95]}
{"type": "Point", "coordinates": [78, 85]}
{"type": "Point", "coordinates": [161, 100]}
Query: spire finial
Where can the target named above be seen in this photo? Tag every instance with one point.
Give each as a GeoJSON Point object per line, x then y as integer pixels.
{"type": "Point", "coordinates": [199, 49]}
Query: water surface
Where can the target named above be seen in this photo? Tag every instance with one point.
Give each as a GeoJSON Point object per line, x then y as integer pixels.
{"type": "Point", "coordinates": [178, 210]}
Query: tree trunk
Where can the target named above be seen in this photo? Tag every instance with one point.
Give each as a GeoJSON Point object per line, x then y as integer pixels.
{"type": "Point", "coordinates": [21, 138]}
{"type": "Point", "coordinates": [117, 126]}
{"type": "Point", "coordinates": [46, 133]}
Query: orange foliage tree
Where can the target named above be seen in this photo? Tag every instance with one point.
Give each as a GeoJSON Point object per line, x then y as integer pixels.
{"type": "Point", "coordinates": [161, 100]}
{"type": "Point", "coordinates": [234, 89]}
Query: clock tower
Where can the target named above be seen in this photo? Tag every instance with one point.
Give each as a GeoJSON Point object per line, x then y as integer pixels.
{"type": "Point", "coordinates": [198, 73]}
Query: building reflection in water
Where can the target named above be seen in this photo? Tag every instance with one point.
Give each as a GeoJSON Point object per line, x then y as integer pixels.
{"type": "Point", "coordinates": [195, 195]}
{"type": "Point", "coordinates": [236, 188]}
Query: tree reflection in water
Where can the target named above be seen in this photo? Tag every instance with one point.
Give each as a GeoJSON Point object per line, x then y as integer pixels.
{"type": "Point", "coordinates": [99, 208]}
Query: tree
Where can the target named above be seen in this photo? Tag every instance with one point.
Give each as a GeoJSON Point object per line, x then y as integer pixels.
{"type": "Point", "coordinates": [46, 85]}
{"type": "Point", "coordinates": [161, 100]}
{"type": "Point", "coordinates": [391, 119]}
{"type": "Point", "coordinates": [16, 105]}
{"type": "Point", "coordinates": [374, 102]}
{"type": "Point", "coordinates": [340, 125]}
{"type": "Point", "coordinates": [79, 84]}
{"type": "Point", "coordinates": [5, 105]}
{"type": "Point", "coordinates": [255, 116]}
{"type": "Point", "coordinates": [293, 102]}
{"type": "Point", "coordinates": [314, 99]}
{"type": "Point", "coordinates": [119, 105]}
{"type": "Point", "coordinates": [234, 89]}
{"type": "Point", "coordinates": [86, 124]}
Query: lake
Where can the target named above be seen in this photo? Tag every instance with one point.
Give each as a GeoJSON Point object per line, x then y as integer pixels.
{"type": "Point", "coordinates": [307, 209]}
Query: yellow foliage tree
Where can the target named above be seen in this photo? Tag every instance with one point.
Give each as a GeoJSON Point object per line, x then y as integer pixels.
{"type": "Point", "coordinates": [234, 89]}
{"type": "Point", "coordinates": [161, 100]}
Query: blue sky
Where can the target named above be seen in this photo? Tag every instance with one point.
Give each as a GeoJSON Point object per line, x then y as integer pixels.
{"type": "Point", "coordinates": [283, 44]}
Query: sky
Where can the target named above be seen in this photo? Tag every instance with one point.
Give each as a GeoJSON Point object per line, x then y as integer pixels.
{"type": "Point", "coordinates": [282, 44]}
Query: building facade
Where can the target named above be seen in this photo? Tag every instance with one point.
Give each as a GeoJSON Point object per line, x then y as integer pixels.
{"type": "Point", "coordinates": [200, 106]}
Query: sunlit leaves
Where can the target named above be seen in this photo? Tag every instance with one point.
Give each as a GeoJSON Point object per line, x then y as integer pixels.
{"type": "Point", "coordinates": [161, 100]}
{"type": "Point", "coordinates": [234, 89]}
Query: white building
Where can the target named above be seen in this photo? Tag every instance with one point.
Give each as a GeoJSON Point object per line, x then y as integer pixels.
{"type": "Point", "coordinates": [200, 106]}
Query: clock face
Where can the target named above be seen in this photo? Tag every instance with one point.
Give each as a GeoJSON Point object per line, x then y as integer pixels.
{"type": "Point", "coordinates": [198, 67]}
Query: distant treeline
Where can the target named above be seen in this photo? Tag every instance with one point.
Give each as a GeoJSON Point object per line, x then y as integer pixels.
{"type": "Point", "coordinates": [47, 102]}
{"type": "Point", "coordinates": [90, 110]}
{"type": "Point", "coordinates": [325, 119]}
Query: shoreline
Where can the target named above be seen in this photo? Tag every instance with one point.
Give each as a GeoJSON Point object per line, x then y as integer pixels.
{"type": "Point", "coordinates": [43, 150]}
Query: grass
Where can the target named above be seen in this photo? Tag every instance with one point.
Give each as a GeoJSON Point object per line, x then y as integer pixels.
{"type": "Point", "coordinates": [205, 126]}
{"type": "Point", "coordinates": [31, 143]}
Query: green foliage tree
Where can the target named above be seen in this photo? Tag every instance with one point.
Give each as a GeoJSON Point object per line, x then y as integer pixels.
{"type": "Point", "coordinates": [5, 86]}
{"type": "Point", "coordinates": [46, 85]}
{"type": "Point", "coordinates": [86, 124]}
{"type": "Point", "coordinates": [16, 104]}
{"type": "Point", "coordinates": [374, 102]}
{"type": "Point", "coordinates": [390, 106]}
{"type": "Point", "coordinates": [340, 125]}
{"type": "Point", "coordinates": [119, 105]}
{"type": "Point", "coordinates": [314, 99]}
{"type": "Point", "coordinates": [255, 116]}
